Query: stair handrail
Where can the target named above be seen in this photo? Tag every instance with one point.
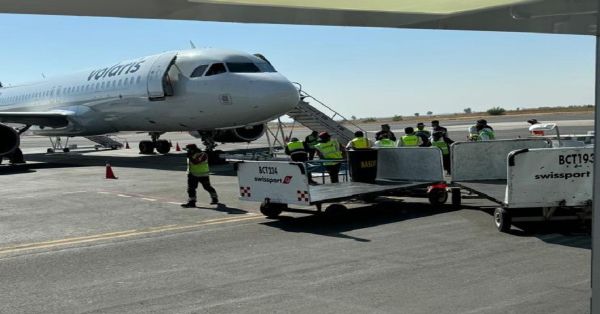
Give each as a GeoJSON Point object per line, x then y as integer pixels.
{"type": "Point", "coordinates": [304, 94]}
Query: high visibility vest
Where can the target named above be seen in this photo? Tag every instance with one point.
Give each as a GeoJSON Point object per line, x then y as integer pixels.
{"type": "Point", "coordinates": [330, 150]}
{"type": "Point", "coordinates": [442, 145]}
{"type": "Point", "coordinates": [198, 170]}
{"type": "Point", "coordinates": [360, 143]}
{"type": "Point", "coordinates": [311, 141]}
{"type": "Point", "coordinates": [486, 134]}
{"type": "Point", "coordinates": [385, 143]}
{"type": "Point", "coordinates": [293, 146]}
{"type": "Point", "coordinates": [410, 141]}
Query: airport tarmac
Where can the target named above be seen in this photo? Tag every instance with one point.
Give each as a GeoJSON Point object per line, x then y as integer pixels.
{"type": "Point", "coordinates": [73, 242]}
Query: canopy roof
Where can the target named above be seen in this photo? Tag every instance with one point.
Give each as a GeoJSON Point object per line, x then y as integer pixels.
{"type": "Point", "coordinates": [541, 16]}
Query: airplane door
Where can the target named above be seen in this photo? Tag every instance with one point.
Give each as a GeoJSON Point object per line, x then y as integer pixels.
{"type": "Point", "coordinates": [159, 83]}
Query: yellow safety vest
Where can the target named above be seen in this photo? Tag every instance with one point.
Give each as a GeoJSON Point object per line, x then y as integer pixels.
{"type": "Point", "coordinates": [360, 143]}
{"type": "Point", "coordinates": [486, 133]}
{"type": "Point", "coordinates": [386, 143]}
{"type": "Point", "coordinates": [443, 146]}
{"type": "Point", "coordinates": [198, 170]}
{"type": "Point", "coordinates": [330, 150]}
{"type": "Point", "coordinates": [410, 140]}
{"type": "Point", "coordinates": [293, 146]}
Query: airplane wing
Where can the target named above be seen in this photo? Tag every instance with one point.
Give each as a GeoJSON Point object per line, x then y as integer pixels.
{"type": "Point", "coordinates": [54, 119]}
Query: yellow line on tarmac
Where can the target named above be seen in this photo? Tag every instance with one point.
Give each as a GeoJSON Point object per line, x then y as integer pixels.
{"type": "Point", "coordinates": [122, 234]}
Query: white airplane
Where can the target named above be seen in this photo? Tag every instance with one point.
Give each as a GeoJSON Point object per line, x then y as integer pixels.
{"type": "Point", "coordinates": [218, 95]}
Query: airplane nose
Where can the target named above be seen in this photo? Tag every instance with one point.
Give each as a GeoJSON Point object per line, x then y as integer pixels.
{"type": "Point", "coordinates": [284, 96]}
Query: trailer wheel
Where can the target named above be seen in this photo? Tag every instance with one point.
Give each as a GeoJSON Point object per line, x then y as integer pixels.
{"type": "Point", "coordinates": [437, 196]}
{"type": "Point", "coordinates": [456, 197]}
{"type": "Point", "coordinates": [272, 210]}
{"type": "Point", "coordinates": [335, 210]}
{"type": "Point", "coordinates": [502, 219]}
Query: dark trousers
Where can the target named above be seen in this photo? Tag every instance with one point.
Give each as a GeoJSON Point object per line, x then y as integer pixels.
{"type": "Point", "coordinates": [446, 160]}
{"type": "Point", "coordinates": [333, 171]}
{"type": "Point", "coordinates": [193, 185]}
{"type": "Point", "coordinates": [311, 154]}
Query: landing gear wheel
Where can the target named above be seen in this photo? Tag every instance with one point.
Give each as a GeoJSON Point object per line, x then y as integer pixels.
{"type": "Point", "coordinates": [335, 210]}
{"type": "Point", "coordinates": [437, 196]}
{"type": "Point", "coordinates": [272, 210]}
{"type": "Point", "coordinates": [163, 147]}
{"type": "Point", "coordinates": [16, 157]}
{"type": "Point", "coordinates": [456, 197]}
{"type": "Point", "coordinates": [49, 151]}
{"type": "Point", "coordinates": [66, 150]}
{"type": "Point", "coordinates": [502, 219]}
{"type": "Point", "coordinates": [146, 147]}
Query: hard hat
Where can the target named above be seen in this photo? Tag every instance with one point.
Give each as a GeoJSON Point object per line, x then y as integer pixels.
{"type": "Point", "coordinates": [294, 139]}
{"type": "Point", "coordinates": [481, 121]}
{"type": "Point", "coordinates": [359, 134]}
{"type": "Point", "coordinates": [532, 121]}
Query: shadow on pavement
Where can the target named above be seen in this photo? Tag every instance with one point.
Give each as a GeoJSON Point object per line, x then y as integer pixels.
{"type": "Point", "coordinates": [366, 216]}
{"type": "Point", "coordinates": [229, 210]}
{"type": "Point", "coordinates": [567, 233]}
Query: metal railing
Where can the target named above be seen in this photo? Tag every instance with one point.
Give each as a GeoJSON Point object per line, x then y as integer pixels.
{"type": "Point", "coordinates": [304, 95]}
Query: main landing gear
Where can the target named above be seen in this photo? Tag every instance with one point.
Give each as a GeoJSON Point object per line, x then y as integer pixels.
{"type": "Point", "coordinates": [161, 146]}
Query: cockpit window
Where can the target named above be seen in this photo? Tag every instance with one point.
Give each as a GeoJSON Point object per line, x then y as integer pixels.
{"type": "Point", "coordinates": [266, 67]}
{"type": "Point", "coordinates": [199, 71]}
{"type": "Point", "coordinates": [215, 69]}
{"type": "Point", "coordinates": [242, 67]}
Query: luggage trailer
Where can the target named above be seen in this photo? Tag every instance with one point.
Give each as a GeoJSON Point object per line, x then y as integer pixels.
{"type": "Point", "coordinates": [276, 185]}
{"type": "Point", "coordinates": [541, 184]}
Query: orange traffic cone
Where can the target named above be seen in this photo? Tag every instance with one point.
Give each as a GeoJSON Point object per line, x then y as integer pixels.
{"type": "Point", "coordinates": [109, 173]}
{"type": "Point", "coordinates": [177, 148]}
{"type": "Point", "coordinates": [127, 145]}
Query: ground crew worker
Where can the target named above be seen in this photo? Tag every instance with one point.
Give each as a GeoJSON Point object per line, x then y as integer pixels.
{"type": "Point", "coordinates": [486, 133]}
{"type": "Point", "coordinates": [473, 134]}
{"type": "Point", "coordinates": [330, 149]}
{"type": "Point", "coordinates": [385, 142]}
{"type": "Point", "coordinates": [198, 172]}
{"type": "Point", "coordinates": [410, 139]}
{"type": "Point", "coordinates": [435, 125]}
{"type": "Point", "coordinates": [359, 141]}
{"type": "Point", "coordinates": [437, 140]}
{"type": "Point", "coordinates": [421, 130]}
{"type": "Point", "coordinates": [311, 140]}
{"type": "Point", "coordinates": [297, 150]}
{"type": "Point", "coordinates": [385, 129]}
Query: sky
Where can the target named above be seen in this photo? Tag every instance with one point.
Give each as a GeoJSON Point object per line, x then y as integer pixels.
{"type": "Point", "coordinates": [362, 72]}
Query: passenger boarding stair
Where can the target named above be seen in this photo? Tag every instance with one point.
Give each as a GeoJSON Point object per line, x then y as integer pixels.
{"type": "Point", "coordinates": [317, 120]}
{"type": "Point", "coordinates": [104, 141]}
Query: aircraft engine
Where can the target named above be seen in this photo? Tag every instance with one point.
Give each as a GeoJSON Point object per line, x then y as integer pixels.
{"type": "Point", "coordinates": [9, 140]}
{"type": "Point", "coordinates": [239, 135]}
